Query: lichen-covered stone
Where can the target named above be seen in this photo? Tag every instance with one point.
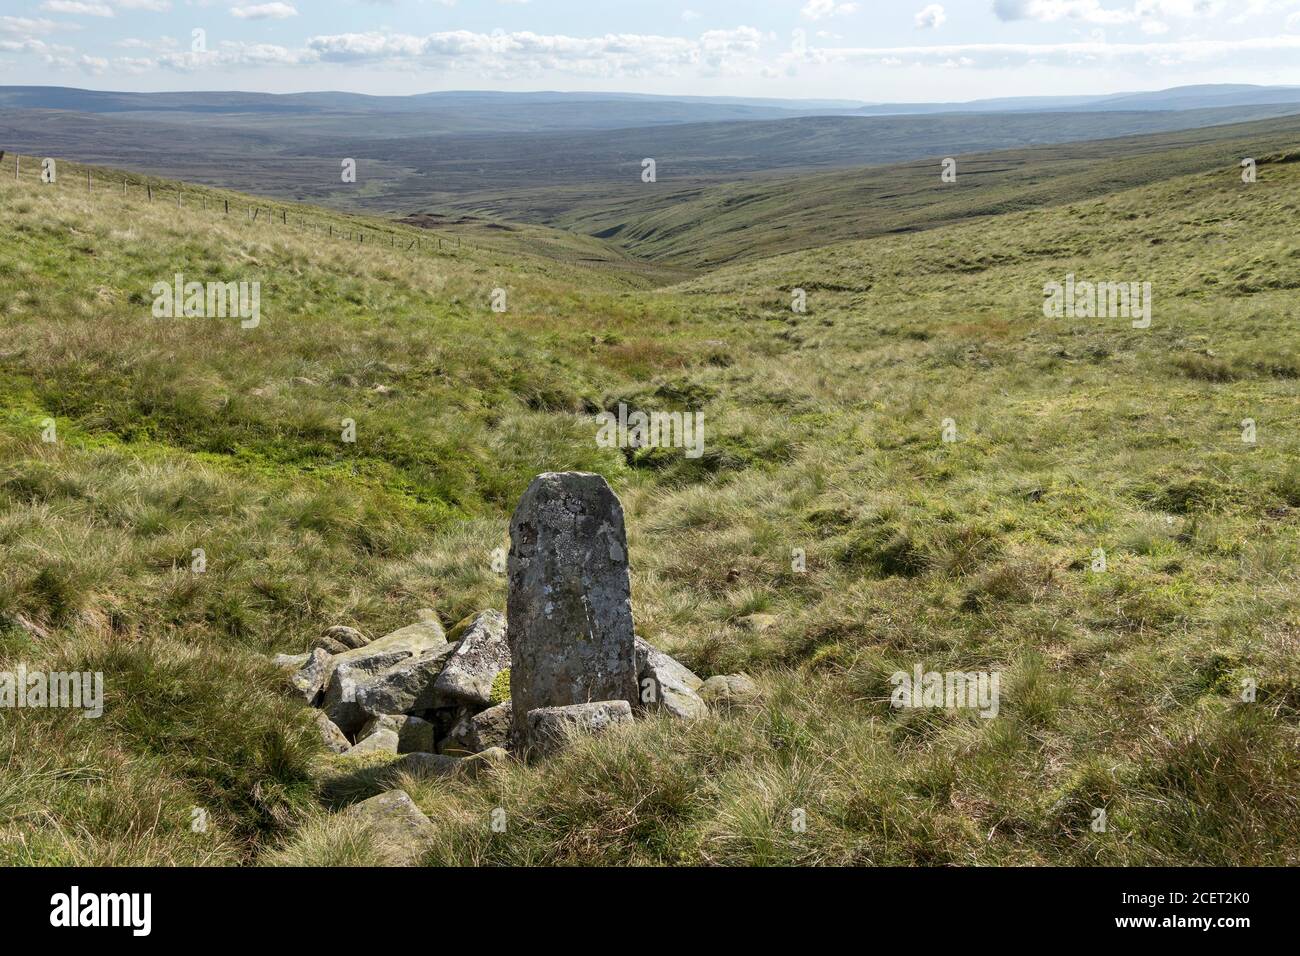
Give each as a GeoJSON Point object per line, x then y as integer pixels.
{"type": "Point", "coordinates": [666, 684]}
{"type": "Point", "coordinates": [398, 829]}
{"type": "Point", "coordinates": [330, 735]}
{"type": "Point", "coordinates": [569, 610]}
{"type": "Point", "coordinates": [549, 728]}
{"type": "Point", "coordinates": [501, 688]}
{"type": "Point", "coordinates": [310, 679]}
{"type": "Point", "coordinates": [475, 733]}
{"type": "Point", "coordinates": [391, 675]}
{"type": "Point", "coordinates": [329, 645]}
{"type": "Point", "coordinates": [413, 734]}
{"type": "Point", "coordinates": [382, 741]}
{"type": "Point", "coordinates": [729, 690]}
{"type": "Point", "coordinates": [479, 657]}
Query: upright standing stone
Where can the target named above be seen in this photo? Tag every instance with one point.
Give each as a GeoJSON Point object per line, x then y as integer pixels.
{"type": "Point", "coordinates": [569, 611]}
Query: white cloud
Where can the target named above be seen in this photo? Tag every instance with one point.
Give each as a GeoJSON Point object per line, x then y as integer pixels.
{"type": "Point", "coordinates": [820, 9]}
{"type": "Point", "coordinates": [1087, 51]}
{"type": "Point", "coordinates": [78, 8]}
{"type": "Point", "coordinates": [931, 17]}
{"type": "Point", "coordinates": [28, 25]}
{"type": "Point", "coordinates": [512, 54]}
{"type": "Point", "coordinates": [104, 8]}
{"type": "Point", "coordinates": [265, 11]}
{"type": "Point", "coordinates": [1093, 11]}
{"type": "Point", "coordinates": [235, 55]}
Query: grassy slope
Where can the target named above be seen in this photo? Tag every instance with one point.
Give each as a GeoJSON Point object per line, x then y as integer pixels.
{"type": "Point", "coordinates": [1119, 690]}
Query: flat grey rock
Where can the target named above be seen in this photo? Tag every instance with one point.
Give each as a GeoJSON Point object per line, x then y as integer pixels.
{"type": "Point", "coordinates": [383, 741]}
{"type": "Point", "coordinates": [550, 728]}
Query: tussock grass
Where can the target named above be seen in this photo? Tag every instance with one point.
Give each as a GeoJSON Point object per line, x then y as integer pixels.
{"type": "Point", "coordinates": [1121, 690]}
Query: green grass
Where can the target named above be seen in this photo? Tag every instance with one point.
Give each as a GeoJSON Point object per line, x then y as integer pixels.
{"type": "Point", "coordinates": [1120, 690]}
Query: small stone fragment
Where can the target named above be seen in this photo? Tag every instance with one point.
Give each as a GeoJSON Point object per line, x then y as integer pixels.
{"type": "Point", "coordinates": [475, 733]}
{"type": "Point", "coordinates": [413, 734]}
{"type": "Point", "coordinates": [398, 828]}
{"type": "Point", "coordinates": [729, 690]}
{"type": "Point", "coordinates": [333, 738]}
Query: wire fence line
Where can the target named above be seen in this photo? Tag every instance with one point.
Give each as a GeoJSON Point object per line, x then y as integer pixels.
{"type": "Point", "coordinates": [287, 215]}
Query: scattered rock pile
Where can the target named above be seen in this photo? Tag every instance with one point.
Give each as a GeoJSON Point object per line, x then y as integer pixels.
{"type": "Point", "coordinates": [567, 644]}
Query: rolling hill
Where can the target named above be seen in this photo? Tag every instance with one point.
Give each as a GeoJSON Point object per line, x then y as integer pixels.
{"type": "Point", "coordinates": [445, 153]}
{"type": "Point", "coordinates": [705, 225]}
{"type": "Point", "coordinates": [1122, 680]}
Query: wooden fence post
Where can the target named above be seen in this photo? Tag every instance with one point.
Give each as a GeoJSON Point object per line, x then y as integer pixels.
{"type": "Point", "coordinates": [148, 188]}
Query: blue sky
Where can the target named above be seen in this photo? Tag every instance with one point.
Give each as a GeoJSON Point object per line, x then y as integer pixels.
{"type": "Point", "coordinates": [905, 50]}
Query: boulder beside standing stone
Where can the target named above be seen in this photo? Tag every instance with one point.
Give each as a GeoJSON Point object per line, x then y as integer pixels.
{"type": "Point", "coordinates": [667, 684]}
{"type": "Point", "coordinates": [481, 654]}
{"type": "Point", "coordinates": [569, 611]}
{"type": "Point", "coordinates": [549, 728]}
{"type": "Point", "coordinates": [475, 733]}
{"type": "Point", "coordinates": [398, 828]}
